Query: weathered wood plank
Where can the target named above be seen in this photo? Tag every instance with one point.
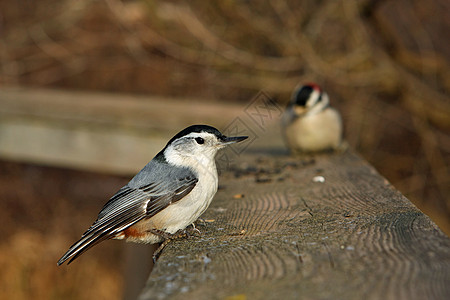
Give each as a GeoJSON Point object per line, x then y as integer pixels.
{"type": "Point", "coordinates": [292, 236]}
{"type": "Point", "coordinates": [96, 131]}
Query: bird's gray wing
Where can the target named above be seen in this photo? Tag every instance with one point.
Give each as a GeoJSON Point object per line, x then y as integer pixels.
{"type": "Point", "coordinates": [149, 192]}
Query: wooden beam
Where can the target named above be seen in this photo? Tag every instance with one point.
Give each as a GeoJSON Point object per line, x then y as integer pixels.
{"type": "Point", "coordinates": [93, 131]}
{"type": "Point", "coordinates": [324, 227]}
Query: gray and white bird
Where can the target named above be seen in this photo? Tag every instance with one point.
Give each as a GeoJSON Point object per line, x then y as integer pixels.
{"type": "Point", "coordinates": [309, 123]}
{"type": "Point", "coordinates": [170, 193]}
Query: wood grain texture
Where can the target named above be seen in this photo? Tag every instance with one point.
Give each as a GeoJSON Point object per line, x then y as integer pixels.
{"type": "Point", "coordinates": [289, 236]}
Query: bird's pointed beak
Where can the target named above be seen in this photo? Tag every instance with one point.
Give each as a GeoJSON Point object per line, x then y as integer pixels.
{"type": "Point", "coordinates": [232, 140]}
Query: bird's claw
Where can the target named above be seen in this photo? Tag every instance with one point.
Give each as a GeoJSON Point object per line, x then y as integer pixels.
{"type": "Point", "coordinates": [193, 231]}
{"type": "Point", "coordinates": [201, 222]}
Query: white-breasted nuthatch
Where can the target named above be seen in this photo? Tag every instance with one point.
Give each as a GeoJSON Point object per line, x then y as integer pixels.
{"type": "Point", "coordinates": [170, 193]}
{"type": "Point", "coordinates": [309, 123]}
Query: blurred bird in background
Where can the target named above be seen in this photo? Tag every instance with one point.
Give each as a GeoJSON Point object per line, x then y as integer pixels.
{"type": "Point", "coordinates": [309, 123]}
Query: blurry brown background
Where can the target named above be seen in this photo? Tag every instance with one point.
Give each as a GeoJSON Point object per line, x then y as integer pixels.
{"type": "Point", "coordinates": [385, 65]}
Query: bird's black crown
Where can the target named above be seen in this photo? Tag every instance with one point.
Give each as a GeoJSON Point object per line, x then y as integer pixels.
{"type": "Point", "coordinates": [193, 128]}
{"type": "Point", "coordinates": [197, 128]}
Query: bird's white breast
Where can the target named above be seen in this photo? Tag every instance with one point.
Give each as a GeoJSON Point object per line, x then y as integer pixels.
{"type": "Point", "coordinates": [186, 211]}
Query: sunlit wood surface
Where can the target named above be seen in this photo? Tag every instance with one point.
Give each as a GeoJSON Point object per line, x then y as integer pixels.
{"type": "Point", "coordinates": [324, 227]}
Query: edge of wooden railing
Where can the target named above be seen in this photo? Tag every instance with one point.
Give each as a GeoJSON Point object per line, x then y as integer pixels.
{"type": "Point", "coordinates": [323, 227]}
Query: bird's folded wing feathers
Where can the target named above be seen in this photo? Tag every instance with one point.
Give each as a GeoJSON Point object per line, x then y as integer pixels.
{"type": "Point", "coordinates": [130, 205]}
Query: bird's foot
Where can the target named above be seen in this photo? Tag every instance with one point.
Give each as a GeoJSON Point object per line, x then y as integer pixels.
{"type": "Point", "coordinates": [168, 237]}
{"type": "Point", "coordinates": [193, 231]}
{"type": "Point", "coordinates": [157, 252]}
{"type": "Point", "coordinates": [200, 222]}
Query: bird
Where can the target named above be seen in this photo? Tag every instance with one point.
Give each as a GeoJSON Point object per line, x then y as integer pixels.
{"type": "Point", "coordinates": [309, 123]}
{"type": "Point", "coordinates": [170, 193]}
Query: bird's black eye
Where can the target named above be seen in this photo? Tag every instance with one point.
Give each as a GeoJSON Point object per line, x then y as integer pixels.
{"type": "Point", "coordinates": [199, 140]}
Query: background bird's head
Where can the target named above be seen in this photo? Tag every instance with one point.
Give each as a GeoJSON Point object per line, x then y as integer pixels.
{"type": "Point", "coordinates": [308, 97]}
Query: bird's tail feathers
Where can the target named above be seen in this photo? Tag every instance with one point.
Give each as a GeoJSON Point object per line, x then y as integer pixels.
{"type": "Point", "coordinates": [81, 246]}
